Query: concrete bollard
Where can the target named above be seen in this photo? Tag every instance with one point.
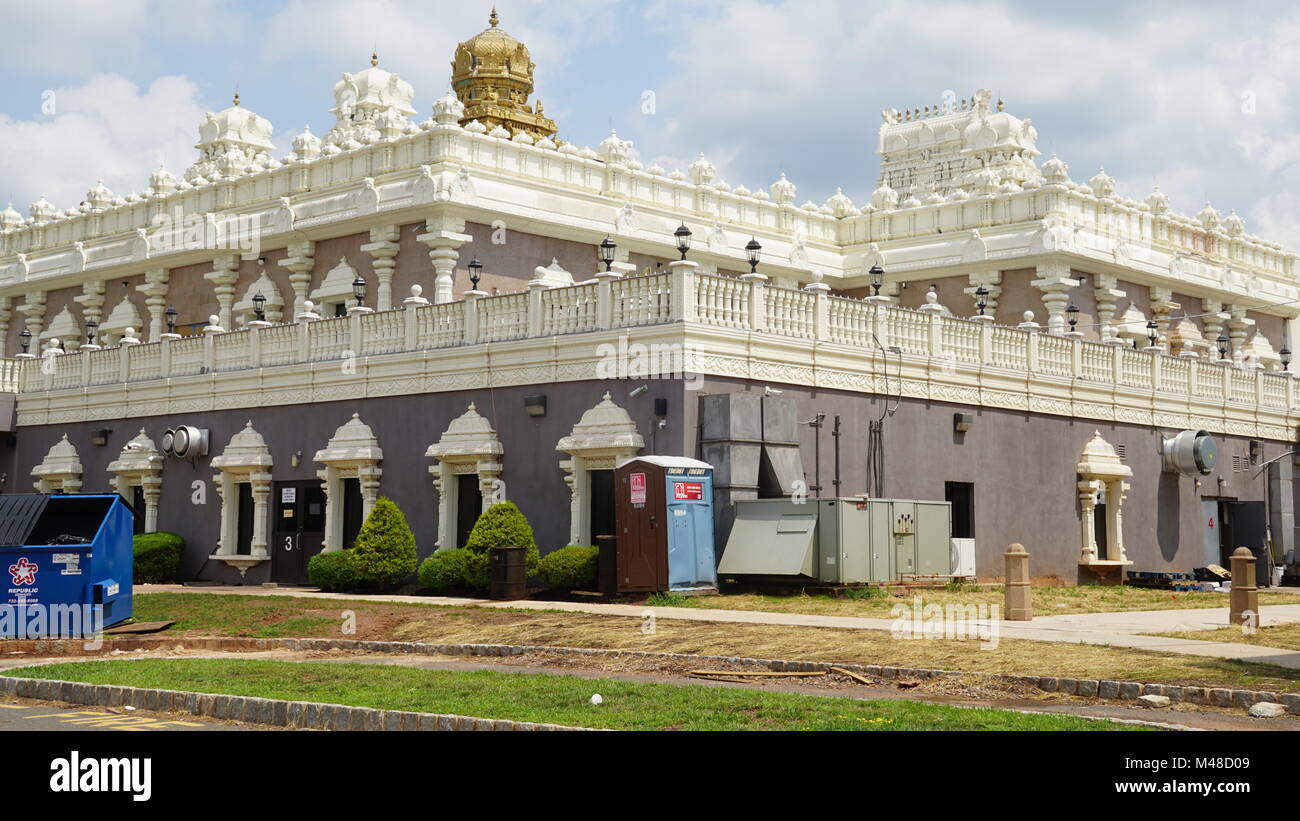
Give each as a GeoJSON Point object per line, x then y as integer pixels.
{"type": "Point", "coordinates": [1016, 601]}
{"type": "Point", "coordinates": [1243, 602]}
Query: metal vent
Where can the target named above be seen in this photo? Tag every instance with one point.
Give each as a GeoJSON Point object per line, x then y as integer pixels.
{"type": "Point", "coordinates": [1122, 452]}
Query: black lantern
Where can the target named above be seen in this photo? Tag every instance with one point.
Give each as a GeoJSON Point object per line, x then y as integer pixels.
{"type": "Point", "coordinates": [877, 278]}
{"type": "Point", "coordinates": [1073, 311]}
{"type": "Point", "coordinates": [607, 247]}
{"type": "Point", "coordinates": [359, 290]}
{"type": "Point", "coordinates": [91, 327]}
{"type": "Point", "coordinates": [683, 235]}
{"type": "Point", "coordinates": [1223, 346]}
{"type": "Point", "coordinates": [752, 250]}
{"type": "Point", "coordinates": [25, 339]}
{"type": "Point", "coordinates": [1285, 353]}
{"type": "Point", "coordinates": [476, 272]}
{"type": "Point", "coordinates": [170, 313]}
{"type": "Point", "coordinates": [258, 302]}
{"type": "Point", "coordinates": [1152, 332]}
{"type": "Point", "coordinates": [981, 298]}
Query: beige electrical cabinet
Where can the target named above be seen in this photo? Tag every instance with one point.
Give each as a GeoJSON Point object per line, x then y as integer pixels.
{"type": "Point", "coordinates": [852, 540]}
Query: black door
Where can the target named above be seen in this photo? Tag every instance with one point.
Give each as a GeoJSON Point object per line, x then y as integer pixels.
{"type": "Point", "coordinates": [351, 511]}
{"type": "Point", "coordinates": [244, 543]}
{"type": "Point", "coordinates": [1244, 526]}
{"type": "Point", "coordinates": [469, 504]}
{"type": "Point", "coordinates": [600, 483]}
{"type": "Point", "coordinates": [137, 509]}
{"type": "Point", "coordinates": [299, 530]}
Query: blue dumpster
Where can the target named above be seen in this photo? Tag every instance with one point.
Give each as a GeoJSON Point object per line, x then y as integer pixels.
{"type": "Point", "coordinates": [67, 560]}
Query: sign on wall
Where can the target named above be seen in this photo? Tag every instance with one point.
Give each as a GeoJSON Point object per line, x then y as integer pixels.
{"type": "Point", "coordinates": [636, 482]}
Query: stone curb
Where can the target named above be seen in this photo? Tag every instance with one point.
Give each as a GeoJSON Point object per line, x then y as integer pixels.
{"type": "Point", "coordinates": [293, 715]}
{"type": "Point", "coordinates": [1088, 688]}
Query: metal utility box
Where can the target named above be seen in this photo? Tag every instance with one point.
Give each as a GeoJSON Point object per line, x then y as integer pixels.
{"type": "Point", "coordinates": [664, 518]}
{"type": "Point", "coordinates": [71, 554]}
{"type": "Point", "coordinates": [852, 540]}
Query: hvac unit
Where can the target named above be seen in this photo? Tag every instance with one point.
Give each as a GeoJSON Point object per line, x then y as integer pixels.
{"type": "Point", "coordinates": [1190, 453]}
{"type": "Point", "coordinates": [852, 540]}
{"type": "Point", "coordinates": [185, 442]}
{"type": "Point", "coordinates": [963, 558]}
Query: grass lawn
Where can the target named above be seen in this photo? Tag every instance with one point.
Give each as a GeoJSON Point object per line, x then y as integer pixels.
{"type": "Point", "coordinates": [1282, 636]}
{"type": "Point", "coordinates": [1047, 601]}
{"type": "Point", "coordinates": [547, 698]}
{"type": "Point", "coordinates": [272, 616]}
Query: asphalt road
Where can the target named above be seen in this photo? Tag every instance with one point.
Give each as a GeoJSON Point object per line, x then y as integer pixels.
{"type": "Point", "coordinates": [19, 716]}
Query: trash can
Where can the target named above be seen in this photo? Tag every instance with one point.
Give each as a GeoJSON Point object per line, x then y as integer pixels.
{"type": "Point", "coordinates": [509, 573]}
{"type": "Point", "coordinates": [607, 565]}
{"type": "Point", "coordinates": [69, 562]}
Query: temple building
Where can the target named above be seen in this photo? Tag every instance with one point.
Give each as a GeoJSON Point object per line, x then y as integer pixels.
{"type": "Point", "coordinates": [459, 309]}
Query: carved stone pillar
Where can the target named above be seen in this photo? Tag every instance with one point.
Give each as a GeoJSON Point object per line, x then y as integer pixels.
{"type": "Point", "coordinates": [1107, 295]}
{"type": "Point", "coordinates": [155, 291]}
{"type": "Point", "coordinates": [1055, 282]}
{"type": "Point", "coordinates": [992, 282]}
{"type": "Point", "coordinates": [1088, 489]}
{"type": "Point", "coordinates": [300, 261]}
{"type": "Point", "coordinates": [6, 313]}
{"type": "Point", "coordinates": [91, 301]}
{"type": "Point", "coordinates": [224, 275]}
{"type": "Point", "coordinates": [445, 234]}
{"type": "Point", "coordinates": [1238, 329]}
{"type": "Point", "coordinates": [1213, 324]}
{"type": "Point", "coordinates": [33, 309]}
{"type": "Point", "coordinates": [261, 483]}
{"type": "Point", "coordinates": [383, 253]}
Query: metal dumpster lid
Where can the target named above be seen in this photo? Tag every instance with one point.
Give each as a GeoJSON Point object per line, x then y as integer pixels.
{"type": "Point", "coordinates": [18, 515]}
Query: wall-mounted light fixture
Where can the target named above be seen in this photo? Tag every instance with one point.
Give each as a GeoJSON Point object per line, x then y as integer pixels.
{"type": "Point", "coordinates": [296, 459]}
{"type": "Point", "coordinates": [100, 437]}
{"type": "Point", "coordinates": [535, 405]}
{"type": "Point", "coordinates": [962, 422]}
{"type": "Point", "coordinates": [1256, 450]}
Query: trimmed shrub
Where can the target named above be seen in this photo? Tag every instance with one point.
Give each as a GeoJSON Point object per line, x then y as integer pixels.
{"type": "Point", "coordinates": [333, 570]}
{"type": "Point", "coordinates": [384, 552]}
{"type": "Point", "coordinates": [455, 571]}
{"type": "Point", "coordinates": [504, 525]}
{"type": "Point", "coordinates": [157, 557]}
{"type": "Point", "coordinates": [569, 568]}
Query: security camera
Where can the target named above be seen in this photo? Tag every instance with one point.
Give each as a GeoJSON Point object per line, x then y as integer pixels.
{"type": "Point", "coordinates": [771, 391]}
{"type": "Point", "coordinates": [638, 391]}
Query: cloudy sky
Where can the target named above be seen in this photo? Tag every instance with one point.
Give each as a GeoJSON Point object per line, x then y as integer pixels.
{"type": "Point", "coordinates": [1196, 99]}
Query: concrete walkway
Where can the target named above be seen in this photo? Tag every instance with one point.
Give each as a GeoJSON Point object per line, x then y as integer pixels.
{"type": "Point", "coordinates": [1122, 629]}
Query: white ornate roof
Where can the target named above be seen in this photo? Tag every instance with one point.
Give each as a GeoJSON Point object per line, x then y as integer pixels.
{"type": "Point", "coordinates": [354, 441]}
{"type": "Point", "coordinates": [61, 460]}
{"type": "Point", "coordinates": [468, 435]}
{"type": "Point", "coordinates": [246, 449]}
{"type": "Point", "coordinates": [1099, 459]}
{"type": "Point", "coordinates": [337, 284]}
{"type": "Point", "coordinates": [370, 105]}
{"type": "Point", "coordinates": [140, 454]}
{"type": "Point", "coordinates": [605, 427]}
{"type": "Point", "coordinates": [230, 141]}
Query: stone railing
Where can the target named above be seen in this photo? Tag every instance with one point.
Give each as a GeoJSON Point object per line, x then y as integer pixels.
{"type": "Point", "coordinates": [684, 295]}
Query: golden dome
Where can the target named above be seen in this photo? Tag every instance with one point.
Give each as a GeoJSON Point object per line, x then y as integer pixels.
{"type": "Point", "coordinates": [492, 75]}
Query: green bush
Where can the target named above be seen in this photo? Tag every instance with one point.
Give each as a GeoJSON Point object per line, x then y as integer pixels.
{"type": "Point", "coordinates": [504, 525]}
{"type": "Point", "coordinates": [157, 557]}
{"type": "Point", "coordinates": [384, 552]}
{"type": "Point", "coordinates": [455, 571]}
{"type": "Point", "coordinates": [333, 571]}
{"type": "Point", "coordinates": [569, 568]}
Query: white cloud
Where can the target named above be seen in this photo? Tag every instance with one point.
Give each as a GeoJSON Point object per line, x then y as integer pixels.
{"type": "Point", "coordinates": [107, 128]}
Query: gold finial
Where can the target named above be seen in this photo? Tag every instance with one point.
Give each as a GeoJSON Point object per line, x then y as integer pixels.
{"type": "Point", "coordinates": [493, 19]}
{"type": "Point", "coordinates": [999, 104]}
{"type": "Point", "coordinates": [374, 58]}
{"type": "Point", "coordinates": [236, 96]}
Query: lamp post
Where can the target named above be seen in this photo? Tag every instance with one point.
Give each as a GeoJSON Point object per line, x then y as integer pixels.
{"type": "Point", "coordinates": [607, 248]}
{"type": "Point", "coordinates": [1223, 347]}
{"type": "Point", "coordinates": [259, 312]}
{"type": "Point", "coordinates": [170, 313]}
{"type": "Point", "coordinates": [1285, 353]}
{"type": "Point", "coordinates": [683, 235]}
{"type": "Point", "coordinates": [1072, 312]}
{"type": "Point", "coordinates": [91, 327]}
{"type": "Point", "coordinates": [752, 251]}
{"type": "Point", "coordinates": [877, 279]}
{"type": "Point", "coordinates": [981, 298]}
{"type": "Point", "coordinates": [475, 273]}
{"type": "Point", "coordinates": [25, 340]}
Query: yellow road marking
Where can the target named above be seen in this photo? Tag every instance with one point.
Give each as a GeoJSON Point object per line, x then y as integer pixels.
{"type": "Point", "coordinates": [95, 718]}
{"type": "Point", "coordinates": [12, 706]}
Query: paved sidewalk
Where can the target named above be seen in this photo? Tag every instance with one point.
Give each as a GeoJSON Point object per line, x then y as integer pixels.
{"type": "Point", "coordinates": [1122, 629]}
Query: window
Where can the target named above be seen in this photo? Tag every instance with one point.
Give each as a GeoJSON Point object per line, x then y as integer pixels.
{"type": "Point", "coordinates": [961, 495]}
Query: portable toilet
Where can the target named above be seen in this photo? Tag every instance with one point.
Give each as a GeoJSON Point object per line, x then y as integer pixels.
{"type": "Point", "coordinates": [69, 561]}
{"type": "Point", "coordinates": [664, 520]}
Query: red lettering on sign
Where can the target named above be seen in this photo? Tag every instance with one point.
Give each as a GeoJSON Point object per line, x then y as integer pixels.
{"type": "Point", "coordinates": [688, 490]}
{"type": "Point", "coordinates": [637, 484]}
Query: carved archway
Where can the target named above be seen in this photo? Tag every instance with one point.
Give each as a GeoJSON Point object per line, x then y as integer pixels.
{"type": "Point", "coordinates": [245, 460]}
{"type": "Point", "coordinates": [140, 465]}
{"type": "Point", "coordinates": [605, 436]}
{"type": "Point", "coordinates": [60, 471]}
{"type": "Point", "coordinates": [469, 445]}
{"type": "Point", "coordinates": [1101, 482]}
{"type": "Point", "coordinates": [352, 453]}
